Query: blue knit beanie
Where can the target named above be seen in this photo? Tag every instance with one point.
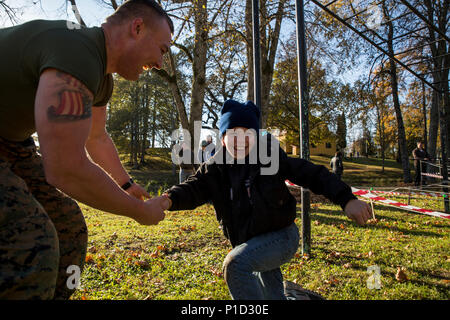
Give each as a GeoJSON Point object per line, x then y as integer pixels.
{"type": "Point", "coordinates": [235, 114]}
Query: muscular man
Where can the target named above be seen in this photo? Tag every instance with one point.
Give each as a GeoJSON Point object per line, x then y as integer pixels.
{"type": "Point", "coordinates": [56, 79]}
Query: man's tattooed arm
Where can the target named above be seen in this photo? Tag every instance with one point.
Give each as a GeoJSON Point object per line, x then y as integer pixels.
{"type": "Point", "coordinates": [75, 100]}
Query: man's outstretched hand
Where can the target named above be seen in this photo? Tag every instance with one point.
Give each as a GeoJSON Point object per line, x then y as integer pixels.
{"type": "Point", "coordinates": [138, 192]}
{"type": "Point", "coordinates": [358, 211]}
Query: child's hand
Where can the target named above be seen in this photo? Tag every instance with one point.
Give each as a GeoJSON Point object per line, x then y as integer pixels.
{"type": "Point", "coordinates": [167, 202]}
{"type": "Point", "coordinates": [358, 211]}
{"type": "Point", "coordinates": [164, 201]}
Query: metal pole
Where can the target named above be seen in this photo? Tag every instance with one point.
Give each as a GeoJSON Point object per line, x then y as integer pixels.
{"type": "Point", "coordinates": [256, 53]}
{"type": "Point", "coordinates": [304, 127]}
{"type": "Point", "coordinates": [444, 148]}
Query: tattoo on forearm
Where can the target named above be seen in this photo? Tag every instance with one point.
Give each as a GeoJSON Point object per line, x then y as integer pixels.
{"type": "Point", "coordinates": [75, 101]}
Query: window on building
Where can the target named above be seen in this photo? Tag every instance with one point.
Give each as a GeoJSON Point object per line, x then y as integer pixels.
{"type": "Point", "coordinates": [328, 145]}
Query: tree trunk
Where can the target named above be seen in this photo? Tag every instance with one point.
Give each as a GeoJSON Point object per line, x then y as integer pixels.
{"type": "Point", "coordinates": [135, 128]}
{"type": "Point", "coordinates": [403, 151]}
{"type": "Point", "coordinates": [380, 122]}
{"type": "Point", "coordinates": [145, 118]}
{"type": "Point", "coordinates": [154, 124]}
{"type": "Point", "coordinates": [424, 112]}
{"type": "Point", "coordinates": [198, 67]}
{"type": "Point", "coordinates": [438, 11]}
{"type": "Point", "coordinates": [198, 60]}
{"type": "Point", "coordinates": [176, 93]}
{"type": "Point", "coordinates": [269, 47]}
{"type": "Point", "coordinates": [269, 40]}
{"type": "Point", "coordinates": [434, 123]}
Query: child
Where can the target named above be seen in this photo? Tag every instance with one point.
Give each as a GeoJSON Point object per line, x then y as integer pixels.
{"type": "Point", "coordinates": [257, 211]}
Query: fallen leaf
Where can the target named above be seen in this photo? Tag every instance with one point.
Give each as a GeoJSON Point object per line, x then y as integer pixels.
{"type": "Point", "coordinates": [92, 249]}
{"type": "Point", "coordinates": [335, 254]}
{"type": "Point", "coordinates": [89, 259]}
{"type": "Point", "coordinates": [142, 263]}
{"type": "Point", "coordinates": [400, 276]}
{"type": "Point", "coordinates": [101, 257]}
{"type": "Point", "coordinates": [332, 282]}
{"type": "Point", "coordinates": [216, 272]}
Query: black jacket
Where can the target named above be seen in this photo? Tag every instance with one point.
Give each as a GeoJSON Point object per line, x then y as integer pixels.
{"type": "Point", "coordinates": [261, 204]}
{"type": "Point", "coordinates": [419, 154]}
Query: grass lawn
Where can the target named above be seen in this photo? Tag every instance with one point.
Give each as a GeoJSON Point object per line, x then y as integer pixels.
{"type": "Point", "coordinates": [367, 172]}
{"type": "Point", "coordinates": [181, 257]}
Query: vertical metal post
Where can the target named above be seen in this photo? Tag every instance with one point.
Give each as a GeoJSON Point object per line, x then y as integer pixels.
{"type": "Point", "coordinates": [256, 53]}
{"type": "Point", "coordinates": [421, 176]}
{"type": "Point", "coordinates": [304, 127]}
{"type": "Point", "coordinates": [443, 136]}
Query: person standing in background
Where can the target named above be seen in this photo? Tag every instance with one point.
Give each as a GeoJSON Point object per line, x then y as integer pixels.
{"type": "Point", "coordinates": [420, 155]}
{"type": "Point", "coordinates": [336, 164]}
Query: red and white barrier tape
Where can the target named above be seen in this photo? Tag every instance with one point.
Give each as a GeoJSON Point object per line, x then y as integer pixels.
{"type": "Point", "coordinates": [367, 194]}
{"type": "Point", "coordinates": [432, 175]}
{"type": "Point", "coordinates": [428, 194]}
{"type": "Point", "coordinates": [290, 184]}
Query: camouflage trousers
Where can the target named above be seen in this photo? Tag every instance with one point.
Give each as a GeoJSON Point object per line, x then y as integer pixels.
{"type": "Point", "coordinates": [42, 231]}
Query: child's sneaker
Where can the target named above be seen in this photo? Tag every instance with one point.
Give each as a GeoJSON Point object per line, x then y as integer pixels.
{"type": "Point", "coordinates": [293, 291]}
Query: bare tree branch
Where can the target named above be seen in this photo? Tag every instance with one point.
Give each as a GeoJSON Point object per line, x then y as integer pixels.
{"type": "Point", "coordinates": [77, 13]}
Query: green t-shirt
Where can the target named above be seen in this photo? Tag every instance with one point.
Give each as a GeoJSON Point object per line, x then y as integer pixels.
{"type": "Point", "coordinates": [28, 49]}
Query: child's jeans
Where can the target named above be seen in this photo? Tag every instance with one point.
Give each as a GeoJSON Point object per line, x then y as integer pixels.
{"type": "Point", "coordinates": [252, 269]}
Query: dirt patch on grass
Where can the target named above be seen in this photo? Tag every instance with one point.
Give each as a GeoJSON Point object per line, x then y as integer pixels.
{"type": "Point", "coordinates": [315, 198]}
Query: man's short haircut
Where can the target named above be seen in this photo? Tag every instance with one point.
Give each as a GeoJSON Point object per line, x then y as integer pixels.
{"type": "Point", "coordinates": [136, 8]}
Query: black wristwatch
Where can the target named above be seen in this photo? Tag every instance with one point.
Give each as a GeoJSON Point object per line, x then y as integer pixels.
{"type": "Point", "coordinates": [125, 186]}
